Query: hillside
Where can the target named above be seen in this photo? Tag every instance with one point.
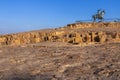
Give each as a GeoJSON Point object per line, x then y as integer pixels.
{"type": "Point", "coordinates": [72, 33]}
{"type": "Point", "coordinates": [79, 51]}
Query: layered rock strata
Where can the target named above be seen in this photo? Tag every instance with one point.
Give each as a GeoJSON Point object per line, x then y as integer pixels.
{"type": "Point", "coordinates": [77, 33]}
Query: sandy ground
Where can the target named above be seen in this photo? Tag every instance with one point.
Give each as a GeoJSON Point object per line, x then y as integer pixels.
{"type": "Point", "coordinates": [60, 61]}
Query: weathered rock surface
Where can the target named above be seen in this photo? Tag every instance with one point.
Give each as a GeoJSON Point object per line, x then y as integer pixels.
{"type": "Point", "coordinates": [60, 61]}
{"type": "Point", "coordinates": [78, 33]}
{"type": "Point", "coordinates": [51, 55]}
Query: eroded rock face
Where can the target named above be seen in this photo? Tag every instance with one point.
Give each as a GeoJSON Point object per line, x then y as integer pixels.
{"type": "Point", "coordinates": [73, 33]}
{"type": "Point", "coordinates": [54, 57]}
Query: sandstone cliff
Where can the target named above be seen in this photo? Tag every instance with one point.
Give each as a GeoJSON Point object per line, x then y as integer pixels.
{"type": "Point", "coordinates": [77, 33]}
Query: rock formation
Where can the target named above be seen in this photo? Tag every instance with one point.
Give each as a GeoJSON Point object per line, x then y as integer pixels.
{"type": "Point", "coordinates": [62, 54]}
{"type": "Point", "coordinates": [77, 33]}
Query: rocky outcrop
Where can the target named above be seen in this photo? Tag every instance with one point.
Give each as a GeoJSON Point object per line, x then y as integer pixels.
{"type": "Point", "coordinates": [92, 25]}
{"type": "Point", "coordinates": [77, 33]}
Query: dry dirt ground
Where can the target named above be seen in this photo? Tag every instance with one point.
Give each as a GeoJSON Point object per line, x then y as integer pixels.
{"type": "Point", "coordinates": [60, 61]}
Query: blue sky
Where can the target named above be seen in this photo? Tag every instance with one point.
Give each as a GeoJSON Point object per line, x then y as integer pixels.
{"type": "Point", "coordinates": [27, 15]}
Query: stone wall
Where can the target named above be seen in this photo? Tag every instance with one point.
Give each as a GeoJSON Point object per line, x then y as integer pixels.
{"type": "Point", "coordinates": [69, 34]}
